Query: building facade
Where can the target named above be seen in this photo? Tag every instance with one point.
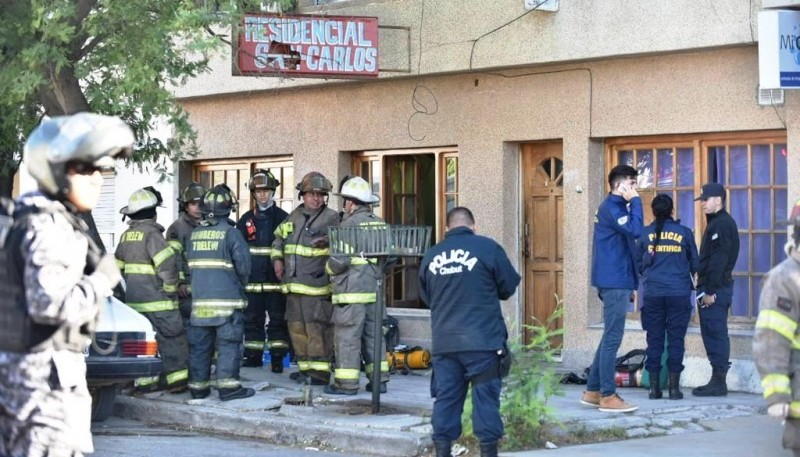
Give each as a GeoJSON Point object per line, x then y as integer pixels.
{"type": "Point", "coordinates": [519, 115]}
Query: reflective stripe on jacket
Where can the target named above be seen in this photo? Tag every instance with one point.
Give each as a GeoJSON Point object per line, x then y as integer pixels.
{"type": "Point", "coordinates": [178, 235]}
{"type": "Point", "coordinates": [304, 264]}
{"type": "Point", "coordinates": [354, 278]}
{"type": "Point", "coordinates": [220, 263]}
{"type": "Point", "coordinates": [149, 266]}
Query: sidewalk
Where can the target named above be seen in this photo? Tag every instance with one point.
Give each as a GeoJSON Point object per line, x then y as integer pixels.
{"type": "Point", "coordinates": [277, 413]}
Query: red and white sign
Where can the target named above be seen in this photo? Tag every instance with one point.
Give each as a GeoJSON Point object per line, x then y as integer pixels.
{"type": "Point", "coordinates": [309, 46]}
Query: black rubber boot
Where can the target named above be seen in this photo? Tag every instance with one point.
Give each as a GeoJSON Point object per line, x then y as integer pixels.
{"type": "Point", "coordinates": [235, 394]}
{"type": "Point", "coordinates": [716, 387]}
{"type": "Point", "coordinates": [252, 360]}
{"type": "Point", "coordinates": [443, 448]}
{"type": "Point", "coordinates": [489, 449]}
{"type": "Point", "coordinates": [655, 386]}
{"type": "Point", "coordinates": [675, 386]}
{"type": "Point", "coordinates": [383, 388]}
{"type": "Point", "coordinates": [333, 390]}
{"type": "Point", "coordinates": [200, 394]}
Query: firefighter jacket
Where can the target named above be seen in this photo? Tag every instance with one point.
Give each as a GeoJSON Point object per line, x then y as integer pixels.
{"type": "Point", "coordinates": [258, 229]}
{"type": "Point", "coordinates": [775, 343]}
{"type": "Point", "coordinates": [718, 252]}
{"type": "Point", "coordinates": [148, 265]}
{"type": "Point", "coordinates": [304, 264]}
{"type": "Point", "coordinates": [178, 235]}
{"type": "Point", "coordinates": [354, 279]}
{"type": "Point", "coordinates": [617, 226]}
{"type": "Point", "coordinates": [669, 265]}
{"type": "Point", "coordinates": [463, 279]}
{"type": "Point", "coordinates": [220, 263]}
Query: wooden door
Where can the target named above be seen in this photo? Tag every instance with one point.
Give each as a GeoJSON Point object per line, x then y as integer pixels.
{"type": "Point", "coordinates": [543, 241]}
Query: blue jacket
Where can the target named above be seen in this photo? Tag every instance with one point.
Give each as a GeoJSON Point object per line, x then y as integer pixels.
{"type": "Point", "coordinates": [463, 279]}
{"type": "Point", "coordinates": [667, 269]}
{"type": "Point", "coordinates": [616, 229]}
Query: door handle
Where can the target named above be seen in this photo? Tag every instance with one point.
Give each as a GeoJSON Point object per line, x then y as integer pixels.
{"type": "Point", "coordinates": [527, 242]}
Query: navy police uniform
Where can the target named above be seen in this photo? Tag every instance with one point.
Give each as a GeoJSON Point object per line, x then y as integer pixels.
{"type": "Point", "coordinates": [667, 269]}
{"type": "Point", "coordinates": [463, 279]}
{"type": "Point", "coordinates": [718, 252]}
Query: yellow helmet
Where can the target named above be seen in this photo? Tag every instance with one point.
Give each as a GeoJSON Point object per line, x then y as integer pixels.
{"type": "Point", "coordinates": [357, 188]}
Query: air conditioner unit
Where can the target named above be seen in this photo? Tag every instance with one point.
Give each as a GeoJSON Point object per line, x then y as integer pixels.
{"type": "Point", "coordinates": [770, 97]}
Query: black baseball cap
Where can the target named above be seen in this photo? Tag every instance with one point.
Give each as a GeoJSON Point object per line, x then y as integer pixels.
{"type": "Point", "coordinates": [712, 189]}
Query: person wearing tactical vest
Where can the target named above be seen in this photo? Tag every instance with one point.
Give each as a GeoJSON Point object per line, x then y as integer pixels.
{"type": "Point", "coordinates": [354, 282]}
{"type": "Point", "coordinates": [264, 293]}
{"type": "Point", "coordinates": [299, 253]}
{"type": "Point", "coordinates": [150, 269]}
{"type": "Point", "coordinates": [669, 262]}
{"type": "Point", "coordinates": [178, 235]}
{"type": "Point", "coordinates": [775, 349]}
{"type": "Point", "coordinates": [220, 262]}
{"type": "Point", "coordinates": [53, 281]}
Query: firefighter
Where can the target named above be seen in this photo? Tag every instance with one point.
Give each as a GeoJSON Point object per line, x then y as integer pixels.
{"type": "Point", "coordinates": [52, 284]}
{"type": "Point", "coordinates": [220, 263]}
{"type": "Point", "coordinates": [299, 253]}
{"type": "Point", "coordinates": [178, 235]}
{"type": "Point", "coordinates": [354, 282]}
{"type": "Point", "coordinates": [150, 270]}
{"type": "Point", "coordinates": [774, 343]}
{"type": "Point", "coordinates": [264, 293]}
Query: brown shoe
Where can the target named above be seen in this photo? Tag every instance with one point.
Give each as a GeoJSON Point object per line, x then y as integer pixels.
{"type": "Point", "coordinates": [615, 404]}
{"type": "Point", "coordinates": [590, 398]}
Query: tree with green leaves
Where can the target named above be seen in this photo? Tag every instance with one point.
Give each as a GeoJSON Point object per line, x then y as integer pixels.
{"type": "Point", "coordinates": [115, 57]}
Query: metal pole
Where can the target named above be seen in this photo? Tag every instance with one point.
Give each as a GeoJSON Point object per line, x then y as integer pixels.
{"type": "Point", "coordinates": [377, 356]}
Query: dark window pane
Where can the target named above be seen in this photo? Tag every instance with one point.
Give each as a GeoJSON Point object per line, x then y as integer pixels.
{"type": "Point", "coordinates": [780, 205]}
{"type": "Point", "coordinates": [716, 164]}
{"type": "Point", "coordinates": [625, 158]}
{"type": "Point", "coordinates": [760, 171]}
{"type": "Point", "coordinates": [741, 297]}
{"type": "Point", "coordinates": [738, 165]}
{"type": "Point", "coordinates": [685, 207]}
{"type": "Point", "coordinates": [762, 210]}
{"type": "Point", "coordinates": [743, 261]}
{"type": "Point", "coordinates": [644, 165]}
{"type": "Point", "coordinates": [665, 171]}
{"type": "Point", "coordinates": [756, 293]}
{"type": "Point", "coordinates": [450, 185]}
{"type": "Point", "coordinates": [686, 167]}
{"type": "Point", "coordinates": [762, 253]}
{"type": "Point", "coordinates": [780, 243]}
{"type": "Point", "coordinates": [780, 165]}
{"type": "Point", "coordinates": [451, 202]}
{"type": "Point", "coordinates": [738, 208]}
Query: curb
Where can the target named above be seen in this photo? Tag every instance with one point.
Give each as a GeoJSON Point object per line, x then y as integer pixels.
{"type": "Point", "coordinates": [276, 428]}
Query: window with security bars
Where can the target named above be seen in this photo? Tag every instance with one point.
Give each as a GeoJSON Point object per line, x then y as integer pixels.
{"type": "Point", "coordinates": [752, 166]}
{"type": "Point", "coordinates": [236, 175]}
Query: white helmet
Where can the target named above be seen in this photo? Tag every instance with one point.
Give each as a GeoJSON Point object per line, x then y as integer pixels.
{"type": "Point", "coordinates": [141, 199]}
{"type": "Point", "coordinates": [87, 138]}
{"type": "Point", "coordinates": [358, 189]}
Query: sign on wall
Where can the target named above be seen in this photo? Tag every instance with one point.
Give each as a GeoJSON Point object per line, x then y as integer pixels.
{"type": "Point", "coordinates": [307, 46]}
{"type": "Point", "coordinates": [779, 49]}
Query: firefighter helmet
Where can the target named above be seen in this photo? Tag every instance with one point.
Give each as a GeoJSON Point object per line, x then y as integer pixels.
{"type": "Point", "coordinates": [194, 192]}
{"type": "Point", "coordinates": [794, 225]}
{"type": "Point", "coordinates": [85, 138]}
{"type": "Point", "coordinates": [219, 201]}
{"type": "Point", "coordinates": [141, 199]}
{"type": "Point", "coordinates": [314, 182]}
{"type": "Point", "coordinates": [357, 188]}
{"type": "Point", "coordinates": [263, 179]}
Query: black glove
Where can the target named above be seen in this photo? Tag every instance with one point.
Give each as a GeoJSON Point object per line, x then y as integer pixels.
{"type": "Point", "coordinates": [106, 272]}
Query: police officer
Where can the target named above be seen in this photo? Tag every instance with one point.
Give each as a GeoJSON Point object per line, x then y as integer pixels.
{"type": "Point", "coordinates": [53, 279]}
{"type": "Point", "coordinates": [463, 279]}
{"type": "Point", "coordinates": [220, 263]}
{"type": "Point", "coordinates": [178, 235]}
{"type": "Point", "coordinates": [718, 252]}
{"type": "Point", "coordinates": [354, 281]}
{"type": "Point", "coordinates": [774, 342]}
{"type": "Point", "coordinates": [264, 295]}
{"type": "Point", "coordinates": [299, 253]}
{"type": "Point", "coordinates": [150, 270]}
{"type": "Point", "coordinates": [669, 262]}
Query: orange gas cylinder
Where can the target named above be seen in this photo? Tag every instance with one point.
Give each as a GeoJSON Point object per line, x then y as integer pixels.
{"type": "Point", "coordinates": [415, 358]}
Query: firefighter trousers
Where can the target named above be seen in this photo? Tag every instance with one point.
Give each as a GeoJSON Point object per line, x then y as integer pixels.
{"type": "Point", "coordinates": [354, 341]}
{"type": "Point", "coordinates": [276, 337]}
{"type": "Point", "coordinates": [310, 328]}
{"type": "Point", "coordinates": [226, 337]}
{"type": "Point", "coordinates": [172, 345]}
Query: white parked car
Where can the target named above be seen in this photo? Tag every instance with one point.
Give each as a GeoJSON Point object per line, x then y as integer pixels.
{"type": "Point", "coordinates": [124, 348]}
